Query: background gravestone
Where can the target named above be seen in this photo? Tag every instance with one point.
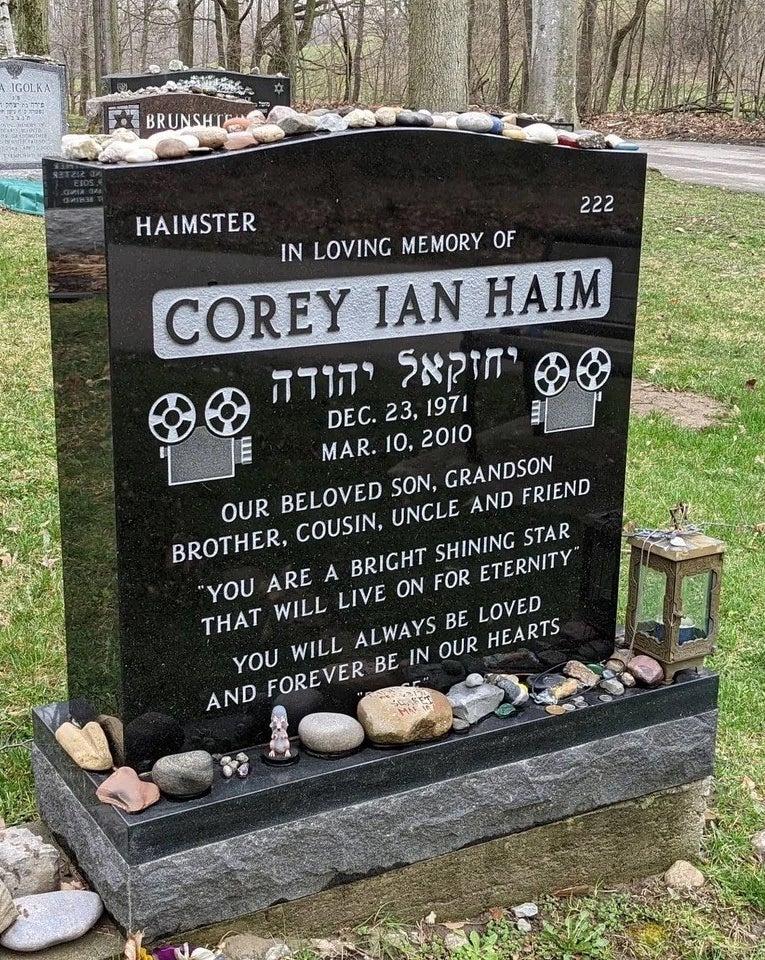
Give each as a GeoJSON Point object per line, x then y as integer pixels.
{"type": "Point", "coordinates": [169, 111]}
{"type": "Point", "coordinates": [264, 90]}
{"type": "Point", "coordinates": [32, 112]}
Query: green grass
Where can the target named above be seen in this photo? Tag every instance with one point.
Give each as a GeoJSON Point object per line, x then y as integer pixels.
{"type": "Point", "coordinates": [700, 329]}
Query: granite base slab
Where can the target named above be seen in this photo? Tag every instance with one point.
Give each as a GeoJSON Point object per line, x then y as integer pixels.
{"type": "Point", "coordinates": [298, 852]}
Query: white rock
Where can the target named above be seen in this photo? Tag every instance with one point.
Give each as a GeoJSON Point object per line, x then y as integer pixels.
{"type": "Point", "coordinates": [190, 140]}
{"type": "Point", "coordinates": [141, 155]}
{"type": "Point", "coordinates": [358, 119]}
{"type": "Point", "coordinates": [129, 136]}
{"type": "Point", "coordinates": [79, 146]}
{"type": "Point", "coordinates": [330, 733]}
{"type": "Point", "coordinates": [116, 151]}
{"type": "Point", "coordinates": [540, 133]}
{"type": "Point", "coordinates": [268, 133]}
{"type": "Point", "coordinates": [279, 951]}
{"type": "Point", "coordinates": [50, 918]}
{"type": "Point", "coordinates": [27, 864]}
{"type": "Point", "coordinates": [475, 122]}
{"type": "Point", "coordinates": [473, 680]}
{"type": "Point", "coordinates": [525, 910]}
{"type": "Point", "coordinates": [523, 925]}
{"type": "Point", "coordinates": [439, 120]}
{"type": "Point", "coordinates": [758, 845]}
{"type": "Point", "coordinates": [385, 116]}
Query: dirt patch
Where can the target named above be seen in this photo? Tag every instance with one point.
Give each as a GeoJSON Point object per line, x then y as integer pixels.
{"type": "Point", "coordinates": [691, 410]}
{"type": "Point", "coordinates": [691, 125]}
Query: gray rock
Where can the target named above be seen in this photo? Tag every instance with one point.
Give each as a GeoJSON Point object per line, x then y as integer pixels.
{"type": "Point", "coordinates": [359, 119]}
{"type": "Point", "coordinates": [474, 703]}
{"type": "Point", "coordinates": [473, 680]}
{"type": "Point", "coordinates": [455, 941]}
{"type": "Point", "coordinates": [184, 774]}
{"type": "Point", "coordinates": [475, 122]}
{"type": "Point", "coordinates": [758, 845]}
{"type": "Point", "coordinates": [297, 123]}
{"type": "Point", "coordinates": [513, 692]}
{"type": "Point", "coordinates": [50, 918]}
{"type": "Point", "coordinates": [626, 679]}
{"type": "Point", "coordinates": [683, 876]}
{"type": "Point", "coordinates": [525, 910]}
{"type": "Point", "coordinates": [540, 133]}
{"type": "Point", "coordinates": [330, 733]}
{"type": "Point", "coordinates": [460, 726]}
{"type": "Point", "coordinates": [319, 112]}
{"type": "Point", "coordinates": [278, 113]}
{"type": "Point", "coordinates": [331, 123]}
{"type": "Point", "coordinates": [8, 910]}
{"type": "Point", "coordinates": [28, 865]}
{"type": "Point", "coordinates": [279, 951]}
{"type": "Point", "coordinates": [612, 686]}
{"type": "Point", "coordinates": [524, 926]}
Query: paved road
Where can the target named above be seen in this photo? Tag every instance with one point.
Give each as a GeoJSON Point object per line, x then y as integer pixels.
{"type": "Point", "coordinates": [711, 164]}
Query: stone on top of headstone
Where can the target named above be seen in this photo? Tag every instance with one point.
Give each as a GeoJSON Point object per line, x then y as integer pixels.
{"type": "Point", "coordinates": [32, 111]}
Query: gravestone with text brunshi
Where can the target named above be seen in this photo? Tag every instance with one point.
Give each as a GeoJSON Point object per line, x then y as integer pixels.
{"type": "Point", "coordinates": [358, 419]}
{"type": "Point", "coordinates": [32, 111]}
{"type": "Point", "coordinates": [264, 90]}
{"type": "Point", "coordinates": [162, 112]}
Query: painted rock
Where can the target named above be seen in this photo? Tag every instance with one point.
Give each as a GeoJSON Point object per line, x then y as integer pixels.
{"type": "Point", "coordinates": [475, 122]}
{"type": "Point", "coordinates": [233, 124]}
{"type": "Point", "coordinates": [567, 139]}
{"type": "Point", "coordinates": [385, 116]}
{"type": "Point", "coordinates": [297, 124]}
{"type": "Point", "coordinates": [473, 703]}
{"type": "Point", "coordinates": [50, 918]}
{"type": "Point", "coordinates": [578, 671]}
{"type": "Point", "coordinates": [646, 670]}
{"type": "Point", "coordinates": [150, 736]}
{"type": "Point", "coordinates": [27, 864]}
{"type": "Point", "coordinates": [124, 789]}
{"type": "Point", "coordinates": [86, 745]}
{"type": "Point", "coordinates": [397, 715]}
{"type": "Point", "coordinates": [331, 123]}
{"type": "Point", "coordinates": [184, 774]}
{"type": "Point", "coordinates": [541, 133]}
{"type": "Point", "coordinates": [627, 145]}
{"type": "Point", "coordinates": [497, 126]}
{"type": "Point", "coordinates": [330, 733]}
{"type": "Point", "coordinates": [268, 133]}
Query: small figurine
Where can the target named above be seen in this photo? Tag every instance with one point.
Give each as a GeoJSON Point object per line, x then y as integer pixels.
{"type": "Point", "coordinates": [279, 748]}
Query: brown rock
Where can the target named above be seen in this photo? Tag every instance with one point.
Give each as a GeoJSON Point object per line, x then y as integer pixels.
{"type": "Point", "coordinates": [125, 789]}
{"type": "Point", "coordinates": [578, 671]}
{"type": "Point", "coordinates": [646, 670]}
{"type": "Point", "coordinates": [566, 689]}
{"type": "Point", "coordinates": [555, 710]}
{"type": "Point", "coordinates": [683, 876]}
{"type": "Point", "coordinates": [268, 133]}
{"type": "Point", "coordinates": [115, 737]}
{"type": "Point", "coordinates": [213, 137]}
{"type": "Point", "coordinates": [171, 149]}
{"type": "Point", "coordinates": [404, 714]}
{"type": "Point", "coordinates": [86, 745]}
{"type": "Point", "coordinates": [256, 117]}
{"type": "Point", "coordinates": [618, 660]}
{"type": "Point", "coordinates": [239, 141]}
{"type": "Point", "coordinates": [626, 679]}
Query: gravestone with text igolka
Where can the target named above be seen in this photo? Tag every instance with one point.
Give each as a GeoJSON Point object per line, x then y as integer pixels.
{"type": "Point", "coordinates": [357, 418]}
{"type": "Point", "coordinates": [32, 111]}
{"type": "Point", "coordinates": [264, 90]}
{"type": "Point", "coordinates": [161, 112]}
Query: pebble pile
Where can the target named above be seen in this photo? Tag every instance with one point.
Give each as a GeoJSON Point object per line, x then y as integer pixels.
{"type": "Point", "coordinates": [254, 129]}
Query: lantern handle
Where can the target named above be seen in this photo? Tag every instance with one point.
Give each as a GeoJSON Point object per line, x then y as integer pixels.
{"type": "Point", "coordinates": [680, 514]}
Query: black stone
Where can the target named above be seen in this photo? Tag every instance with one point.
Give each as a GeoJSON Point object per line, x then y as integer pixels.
{"type": "Point", "coordinates": [157, 420]}
{"type": "Point", "coordinates": [410, 118]}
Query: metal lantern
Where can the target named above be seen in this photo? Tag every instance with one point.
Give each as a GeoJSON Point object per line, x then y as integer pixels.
{"type": "Point", "coordinates": [674, 596]}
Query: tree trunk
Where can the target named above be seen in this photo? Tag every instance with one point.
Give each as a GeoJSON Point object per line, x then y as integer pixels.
{"type": "Point", "coordinates": [584, 59]}
{"type": "Point", "coordinates": [503, 56]}
{"type": "Point", "coordinates": [613, 54]}
{"type": "Point", "coordinates": [552, 78]}
{"type": "Point", "coordinates": [31, 27]}
{"type": "Point", "coordinates": [84, 62]}
{"type": "Point", "coordinates": [7, 41]}
{"type": "Point", "coordinates": [526, 62]}
{"type": "Point", "coordinates": [438, 64]}
{"type": "Point", "coordinates": [347, 55]}
{"type": "Point", "coordinates": [219, 45]}
{"type": "Point", "coordinates": [186, 10]}
{"type": "Point", "coordinates": [285, 60]}
{"type": "Point", "coordinates": [358, 52]}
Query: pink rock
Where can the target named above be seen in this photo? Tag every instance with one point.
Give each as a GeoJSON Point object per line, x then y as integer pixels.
{"type": "Point", "coordinates": [125, 789]}
{"type": "Point", "coordinates": [239, 140]}
{"type": "Point", "coordinates": [237, 123]}
{"type": "Point", "coordinates": [646, 670]}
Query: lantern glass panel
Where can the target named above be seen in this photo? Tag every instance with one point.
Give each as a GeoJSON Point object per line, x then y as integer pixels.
{"type": "Point", "coordinates": [696, 598]}
{"type": "Point", "coordinates": [652, 587]}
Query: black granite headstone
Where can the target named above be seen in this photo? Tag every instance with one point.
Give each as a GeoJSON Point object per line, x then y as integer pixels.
{"type": "Point", "coordinates": [357, 418]}
{"type": "Point", "coordinates": [264, 90]}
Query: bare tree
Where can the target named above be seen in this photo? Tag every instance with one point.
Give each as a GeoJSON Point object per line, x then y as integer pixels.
{"type": "Point", "coordinates": [438, 61]}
